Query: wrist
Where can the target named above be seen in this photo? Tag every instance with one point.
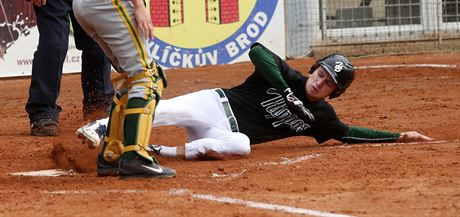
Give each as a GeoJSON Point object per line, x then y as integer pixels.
{"type": "Point", "coordinates": [401, 137]}
{"type": "Point", "coordinates": [138, 3]}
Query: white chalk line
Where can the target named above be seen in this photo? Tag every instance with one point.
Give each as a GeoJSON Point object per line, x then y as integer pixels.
{"type": "Point", "coordinates": [260, 205]}
{"type": "Point", "coordinates": [287, 161]}
{"type": "Point", "coordinates": [45, 173]}
{"type": "Point", "coordinates": [126, 191]}
{"type": "Point", "coordinates": [209, 197]}
{"type": "Point", "coordinates": [409, 66]}
{"type": "Point", "coordinates": [228, 176]}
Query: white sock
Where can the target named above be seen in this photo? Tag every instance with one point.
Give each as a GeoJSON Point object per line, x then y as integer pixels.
{"type": "Point", "coordinates": [168, 151]}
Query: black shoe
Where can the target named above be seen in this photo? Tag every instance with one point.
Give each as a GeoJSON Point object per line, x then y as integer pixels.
{"type": "Point", "coordinates": [104, 168]}
{"type": "Point", "coordinates": [44, 127]}
{"type": "Point", "coordinates": [139, 167]}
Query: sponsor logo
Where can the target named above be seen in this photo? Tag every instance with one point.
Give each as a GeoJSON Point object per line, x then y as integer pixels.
{"type": "Point", "coordinates": [157, 170]}
{"type": "Point", "coordinates": [208, 32]}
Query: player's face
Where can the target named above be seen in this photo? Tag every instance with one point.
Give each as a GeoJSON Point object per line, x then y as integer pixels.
{"type": "Point", "coordinates": [319, 85]}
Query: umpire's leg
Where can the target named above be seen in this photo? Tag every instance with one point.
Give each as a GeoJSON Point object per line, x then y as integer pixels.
{"type": "Point", "coordinates": [53, 26]}
{"type": "Point", "coordinates": [97, 87]}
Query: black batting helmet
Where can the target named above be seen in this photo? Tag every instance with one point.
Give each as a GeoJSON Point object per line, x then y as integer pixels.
{"type": "Point", "coordinates": [340, 69]}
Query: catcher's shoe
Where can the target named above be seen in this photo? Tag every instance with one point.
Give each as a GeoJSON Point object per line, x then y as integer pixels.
{"type": "Point", "coordinates": [44, 127]}
{"type": "Point", "coordinates": [92, 134]}
{"type": "Point", "coordinates": [104, 168]}
{"type": "Point", "coordinates": [138, 167]}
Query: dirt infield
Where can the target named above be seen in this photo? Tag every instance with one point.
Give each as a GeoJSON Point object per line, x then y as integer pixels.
{"type": "Point", "coordinates": [288, 177]}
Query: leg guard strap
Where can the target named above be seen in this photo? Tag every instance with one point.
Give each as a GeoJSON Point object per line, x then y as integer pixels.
{"type": "Point", "coordinates": [161, 73]}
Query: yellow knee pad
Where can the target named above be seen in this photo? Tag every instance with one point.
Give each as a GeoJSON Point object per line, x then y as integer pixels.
{"type": "Point", "coordinates": [147, 84]}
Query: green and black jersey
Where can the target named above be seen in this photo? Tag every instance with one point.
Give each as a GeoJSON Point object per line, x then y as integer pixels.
{"type": "Point", "coordinates": [263, 116]}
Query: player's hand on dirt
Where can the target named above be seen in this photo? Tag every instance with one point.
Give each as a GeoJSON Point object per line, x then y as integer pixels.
{"type": "Point", "coordinates": [295, 105]}
{"type": "Point", "coordinates": [413, 136]}
{"type": "Point", "coordinates": [144, 23]}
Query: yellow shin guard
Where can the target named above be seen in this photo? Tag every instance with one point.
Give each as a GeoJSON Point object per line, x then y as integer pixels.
{"type": "Point", "coordinates": [113, 147]}
{"type": "Point", "coordinates": [146, 88]}
{"type": "Point", "coordinates": [144, 126]}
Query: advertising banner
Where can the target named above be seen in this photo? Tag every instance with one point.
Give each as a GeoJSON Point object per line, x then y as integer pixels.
{"type": "Point", "coordinates": [191, 33]}
{"type": "Point", "coordinates": [19, 40]}
{"type": "Point", "coordinates": [188, 33]}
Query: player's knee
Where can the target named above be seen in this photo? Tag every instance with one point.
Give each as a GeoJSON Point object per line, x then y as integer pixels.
{"type": "Point", "coordinates": [238, 144]}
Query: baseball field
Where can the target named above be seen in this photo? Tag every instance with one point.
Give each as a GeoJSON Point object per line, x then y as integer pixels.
{"type": "Point", "coordinates": [289, 177]}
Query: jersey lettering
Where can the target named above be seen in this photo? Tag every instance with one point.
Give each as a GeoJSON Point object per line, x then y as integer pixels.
{"type": "Point", "coordinates": [277, 109]}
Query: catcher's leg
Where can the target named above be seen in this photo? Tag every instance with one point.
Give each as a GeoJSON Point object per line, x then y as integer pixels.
{"type": "Point", "coordinates": [144, 94]}
{"type": "Point", "coordinates": [108, 159]}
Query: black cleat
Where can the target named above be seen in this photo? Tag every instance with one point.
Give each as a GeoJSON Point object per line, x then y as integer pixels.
{"type": "Point", "coordinates": [104, 168]}
{"type": "Point", "coordinates": [139, 167]}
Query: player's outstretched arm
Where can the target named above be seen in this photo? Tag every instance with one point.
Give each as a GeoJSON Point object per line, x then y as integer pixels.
{"type": "Point", "coordinates": [413, 136]}
{"type": "Point", "coordinates": [357, 134]}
